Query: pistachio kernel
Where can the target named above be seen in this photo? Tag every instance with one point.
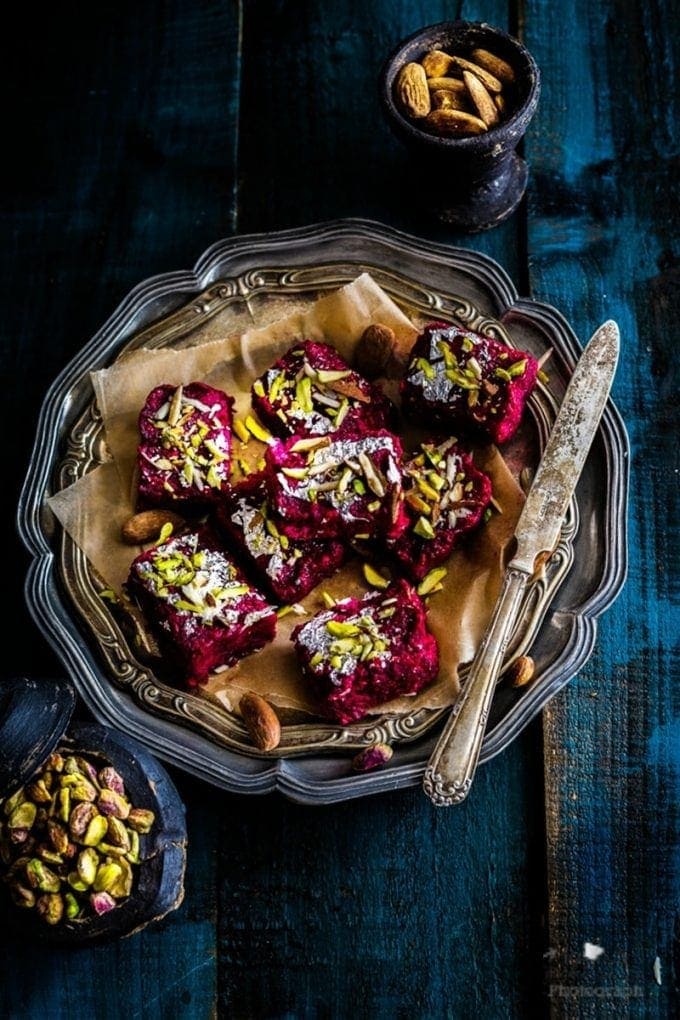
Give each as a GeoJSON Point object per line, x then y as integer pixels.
{"type": "Point", "coordinates": [141, 820]}
{"type": "Point", "coordinates": [102, 902]}
{"type": "Point", "coordinates": [111, 803]}
{"type": "Point", "coordinates": [95, 832]}
{"type": "Point", "coordinates": [50, 908]}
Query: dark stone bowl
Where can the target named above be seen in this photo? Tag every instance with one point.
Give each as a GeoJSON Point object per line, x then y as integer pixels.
{"type": "Point", "coordinates": [474, 182]}
{"type": "Point", "coordinates": [34, 720]}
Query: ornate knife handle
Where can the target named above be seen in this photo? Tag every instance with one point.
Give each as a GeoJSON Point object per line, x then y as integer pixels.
{"type": "Point", "coordinates": [451, 768]}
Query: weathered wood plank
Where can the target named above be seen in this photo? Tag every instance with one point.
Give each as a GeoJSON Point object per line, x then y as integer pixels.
{"type": "Point", "coordinates": [603, 232]}
{"type": "Point", "coordinates": [122, 164]}
{"type": "Point", "coordinates": [314, 145]}
{"type": "Point", "coordinates": [386, 907]}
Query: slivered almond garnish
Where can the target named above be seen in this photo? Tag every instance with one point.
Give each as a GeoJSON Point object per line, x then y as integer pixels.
{"type": "Point", "coordinates": [327, 375]}
{"type": "Point", "coordinates": [310, 443]}
{"type": "Point", "coordinates": [496, 66]}
{"type": "Point", "coordinates": [484, 104]}
{"type": "Point", "coordinates": [374, 482]}
{"type": "Point", "coordinates": [395, 503]}
{"type": "Point", "coordinates": [417, 503]}
{"type": "Point", "coordinates": [348, 388]}
{"type": "Point", "coordinates": [175, 408]}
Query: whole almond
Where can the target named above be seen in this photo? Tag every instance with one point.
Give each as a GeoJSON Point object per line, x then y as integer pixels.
{"type": "Point", "coordinates": [261, 721]}
{"type": "Point", "coordinates": [412, 91]}
{"type": "Point", "coordinates": [445, 99]}
{"type": "Point", "coordinates": [484, 104]}
{"type": "Point", "coordinates": [451, 84]}
{"type": "Point", "coordinates": [496, 66]}
{"type": "Point", "coordinates": [374, 350]}
{"type": "Point", "coordinates": [454, 123]}
{"type": "Point", "coordinates": [146, 526]}
{"type": "Point", "coordinates": [436, 63]}
{"type": "Point", "coordinates": [489, 80]}
{"type": "Point", "coordinates": [521, 671]}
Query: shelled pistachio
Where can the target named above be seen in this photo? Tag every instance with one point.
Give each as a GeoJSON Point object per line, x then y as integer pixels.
{"type": "Point", "coordinates": [70, 840]}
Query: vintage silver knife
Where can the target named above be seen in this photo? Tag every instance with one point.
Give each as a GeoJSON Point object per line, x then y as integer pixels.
{"type": "Point", "coordinates": [451, 768]}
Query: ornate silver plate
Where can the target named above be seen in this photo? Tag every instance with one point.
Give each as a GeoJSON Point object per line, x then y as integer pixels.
{"type": "Point", "coordinates": [250, 276]}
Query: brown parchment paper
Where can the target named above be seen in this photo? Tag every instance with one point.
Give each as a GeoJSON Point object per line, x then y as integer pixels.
{"type": "Point", "coordinates": [93, 509]}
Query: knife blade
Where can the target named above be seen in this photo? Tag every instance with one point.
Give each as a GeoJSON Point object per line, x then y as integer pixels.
{"type": "Point", "coordinates": [450, 770]}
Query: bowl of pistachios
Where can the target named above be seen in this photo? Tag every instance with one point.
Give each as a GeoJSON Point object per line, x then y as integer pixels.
{"type": "Point", "coordinates": [92, 830]}
{"type": "Point", "coordinates": [460, 95]}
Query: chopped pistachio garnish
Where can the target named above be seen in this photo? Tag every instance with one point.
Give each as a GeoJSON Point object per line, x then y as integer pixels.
{"type": "Point", "coordinates": [257, 430]}
{"type": "Point", "coordinates": [423, 528]}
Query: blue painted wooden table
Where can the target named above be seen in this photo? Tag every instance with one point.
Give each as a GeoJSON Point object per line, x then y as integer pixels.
{"type": "Point", "coordinates": [137, 134]}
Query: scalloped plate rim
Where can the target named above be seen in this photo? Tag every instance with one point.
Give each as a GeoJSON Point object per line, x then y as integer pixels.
{"type": "Point", "coordinates": [280, 773]}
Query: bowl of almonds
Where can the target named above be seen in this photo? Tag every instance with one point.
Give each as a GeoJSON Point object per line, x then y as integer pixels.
{"type": "Point", "coordinates": [460, 95]}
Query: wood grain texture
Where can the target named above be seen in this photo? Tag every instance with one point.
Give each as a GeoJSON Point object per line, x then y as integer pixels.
{"type": "Point", "coordinates": [142, 134]}
{"type": "Point", "coordinates": [603, 242]}
{"type": "Point", "coordinates": [122, 165]}
{"type": "Point", "coordinates": [313, 142]}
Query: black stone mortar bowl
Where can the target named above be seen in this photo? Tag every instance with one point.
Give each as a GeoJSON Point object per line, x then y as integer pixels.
{"type": "Point", "coordinates": [473, 182]}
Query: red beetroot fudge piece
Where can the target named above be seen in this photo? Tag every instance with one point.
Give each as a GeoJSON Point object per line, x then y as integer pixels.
{"type": "Point", "coordinates": [185, 446]}
{"type": "Point", "coordinates": [348, 485]}
{"type": "Point", "coordinates": [363, 652]}
{"type": "Point", "coordinates": [289, 568]}
{"type": "Point", "coordinates": [465, 381]}
{"type": "Point", "coordinates": [201, 606]}
{"type": "Point", "coordinates": [445, 498]}
{"type": "Point", "coordinates": [312, 390]}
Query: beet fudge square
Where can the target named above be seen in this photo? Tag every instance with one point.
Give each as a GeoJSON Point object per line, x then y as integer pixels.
{"type": "Point", "coordinates": [363, 652]}
{"type": "Point", "coordinates": [289, 568]}
{"type": "Point", "coordinates": [200, 605]}
{"type": "Point", "coordinates": [467, 382]}
{"type": "Point", "coordinates": [312, 390]}
{"type": "Point", "coordinates": [345, 485]}
{"type": "Point", "coordinates": [445, 498]}
{"type": "Point", "coordinates": [185, 447]}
